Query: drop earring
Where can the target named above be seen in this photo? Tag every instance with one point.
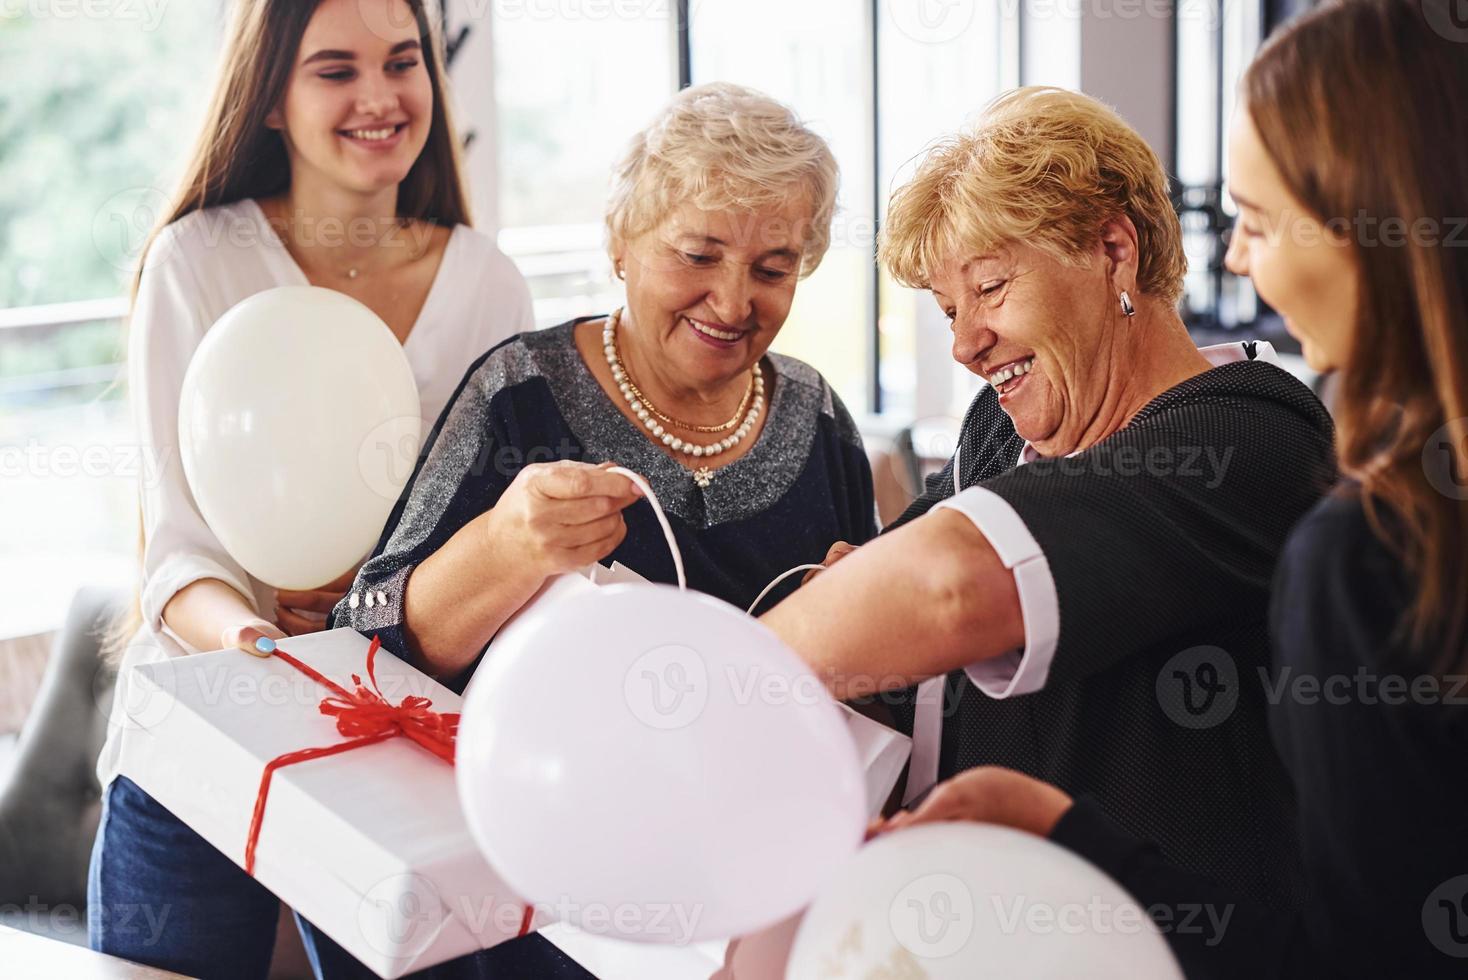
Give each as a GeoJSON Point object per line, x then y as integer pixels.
{"type": "Point", "coordinates": [1127, 309]}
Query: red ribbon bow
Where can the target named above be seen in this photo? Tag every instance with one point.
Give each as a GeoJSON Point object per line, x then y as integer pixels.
{"type": "Point", "coordinates": [367, 714]}
{"type": "Point", "coordinates": [366, 718]}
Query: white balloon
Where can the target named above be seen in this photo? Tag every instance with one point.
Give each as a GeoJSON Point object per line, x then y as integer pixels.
{"type": "Point", "coordinates": [299, 425]}
{"type": "Point", "coordinates": [656, 765]}
{"type": "Point", "coordinates": [965, 901]}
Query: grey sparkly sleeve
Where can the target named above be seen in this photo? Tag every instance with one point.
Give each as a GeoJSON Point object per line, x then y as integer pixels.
{"type": "Point", "coordinates": [454, 483]}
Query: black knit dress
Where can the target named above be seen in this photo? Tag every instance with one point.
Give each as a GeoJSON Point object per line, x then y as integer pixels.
{"type": "Point", "coordinates": [1161, 540]}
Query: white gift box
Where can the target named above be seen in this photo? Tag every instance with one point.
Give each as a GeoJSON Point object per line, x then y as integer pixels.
{"type": "Point", "coordinates": [370, 845]}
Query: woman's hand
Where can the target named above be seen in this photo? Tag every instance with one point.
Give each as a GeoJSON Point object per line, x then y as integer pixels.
{"type": "Point", "coordinates": [557, 517]}
{"type": "Point", "coordinates": [244, 636]}
{"type": "Point", "coordinates": [289, 605]}
{"type": "Point", "coordinates": [838, 551]}
{"type": "Point", "coordinates": [988, 794]}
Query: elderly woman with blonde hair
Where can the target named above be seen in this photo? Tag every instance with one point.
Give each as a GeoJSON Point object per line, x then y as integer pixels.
{"type": "Point", "coordinates": [1081, 593]}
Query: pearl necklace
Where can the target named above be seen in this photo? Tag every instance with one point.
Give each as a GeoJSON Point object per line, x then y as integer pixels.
{"type": "Point", "coordinates": [649, 416]}
{"type": "Point", "coordinates": [689, 426]}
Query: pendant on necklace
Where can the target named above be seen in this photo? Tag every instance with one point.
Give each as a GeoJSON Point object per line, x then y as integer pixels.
{"type": "Point", "coordinates": [703, 476]}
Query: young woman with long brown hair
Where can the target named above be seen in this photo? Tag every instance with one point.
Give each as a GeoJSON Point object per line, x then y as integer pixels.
{"type": "Point", "coordinates": [328, 157]}
{"type": "Point", "coordinates": [1348, 163]}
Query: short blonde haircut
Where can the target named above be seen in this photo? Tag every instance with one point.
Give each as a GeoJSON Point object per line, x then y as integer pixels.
{"type": "Point", "coordinates": [1043, 166]}
{"type": "Point", "coordinates": [720, 147]}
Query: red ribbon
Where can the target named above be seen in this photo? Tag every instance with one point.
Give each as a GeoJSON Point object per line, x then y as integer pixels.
{"type": "Point", "coordinates": [365, 717]}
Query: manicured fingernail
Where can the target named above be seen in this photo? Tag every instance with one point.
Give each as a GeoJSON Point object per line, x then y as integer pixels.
{"type": "Point", "coordinates": [265, 645]}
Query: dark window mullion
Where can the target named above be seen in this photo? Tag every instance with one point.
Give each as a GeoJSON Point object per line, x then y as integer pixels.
{"type": "Point", "coordinates": [685, 47]}
{"type": "Point", "coordinates": [874, 304]}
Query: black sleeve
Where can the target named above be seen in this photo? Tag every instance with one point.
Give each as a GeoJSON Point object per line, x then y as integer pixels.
{"type": "Point", "coordinates": [458, 477]}
{"type": "Point", "coordinates": [1215, 934]}
{"type": "Point", "coordinates": [1374, 749]}
{"type": "Point", "coordinates": [1163, 532]}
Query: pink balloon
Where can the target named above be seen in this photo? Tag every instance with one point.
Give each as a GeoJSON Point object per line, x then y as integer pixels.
{"type": "Point", "coordinates": [656, 765]}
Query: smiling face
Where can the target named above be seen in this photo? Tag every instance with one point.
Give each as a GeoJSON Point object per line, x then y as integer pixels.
{"type": "Point", "coordinates": [707, 291]}
{"type": "Point", "coordinates": [359, 104]}
{"type": "Point", "coordinates": [1308, 275]}
{"type": "Point", "coordinates": [1042, 332]}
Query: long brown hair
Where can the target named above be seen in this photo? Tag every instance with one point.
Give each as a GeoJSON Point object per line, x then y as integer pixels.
{"type": "Point", "coordinates": [1362, 106]}
{"type": "Point", "coordinates": [236, 156]}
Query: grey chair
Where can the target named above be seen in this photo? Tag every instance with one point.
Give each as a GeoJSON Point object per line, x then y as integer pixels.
{"type": "Point", "coordinates": [50, 801]}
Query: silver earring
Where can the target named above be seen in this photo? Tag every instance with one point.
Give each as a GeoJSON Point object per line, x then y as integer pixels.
{"type": "Point", "coordinates": [620, 273]}
{"type": "Point", "coordinates": [1127, 309]}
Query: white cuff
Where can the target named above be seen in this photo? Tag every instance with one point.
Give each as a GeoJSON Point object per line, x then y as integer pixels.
{"type": "Point", "coordinates": [173, 574]}
{"type": "Point", "coordinates": [1020, 671]}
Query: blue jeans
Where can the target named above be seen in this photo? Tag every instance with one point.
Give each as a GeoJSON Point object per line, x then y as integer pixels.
{"type": "Point", "coordinates": [161, 895]}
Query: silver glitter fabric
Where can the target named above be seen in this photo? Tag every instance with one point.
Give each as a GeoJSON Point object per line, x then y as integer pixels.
{"type": "Point", "coordinates": [803, 485]}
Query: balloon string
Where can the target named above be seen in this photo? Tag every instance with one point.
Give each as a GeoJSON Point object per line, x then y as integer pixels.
{"type": "Point", "coordinates": [657, 509]}
{"type": "Point", "coordinates": [957, 489]}
{"type": "Point", "coordinates": [778, 579]}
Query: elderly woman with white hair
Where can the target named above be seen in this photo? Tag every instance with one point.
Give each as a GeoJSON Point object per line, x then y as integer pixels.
{"type": "Point", "coordinates": [718, 209]}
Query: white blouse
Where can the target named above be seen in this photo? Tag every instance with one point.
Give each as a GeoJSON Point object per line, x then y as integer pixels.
{"type": "Point", "coordinates": [198, 268]}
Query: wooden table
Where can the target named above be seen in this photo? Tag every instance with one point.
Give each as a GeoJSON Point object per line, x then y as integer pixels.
{"type": "Point", "coordinates": [27, 956]}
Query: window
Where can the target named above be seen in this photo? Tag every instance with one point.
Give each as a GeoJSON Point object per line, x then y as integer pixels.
{"type": "Point", "coordinates": [86, 91]}
{"type": "Point", "coordinates": [1214, 46]}
{"type": "Point", "coordinates": [816, 57]}
{"type": "Point", "coordinates": [549, 93]}
{"type": "Point", "coordinates": [935, 73]}
{"type": "Point", "coordinates": [573, 82]}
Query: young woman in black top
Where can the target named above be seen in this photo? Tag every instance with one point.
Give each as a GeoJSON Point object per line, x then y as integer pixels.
{"type": "Point", "coordinates": [1347, 162]}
